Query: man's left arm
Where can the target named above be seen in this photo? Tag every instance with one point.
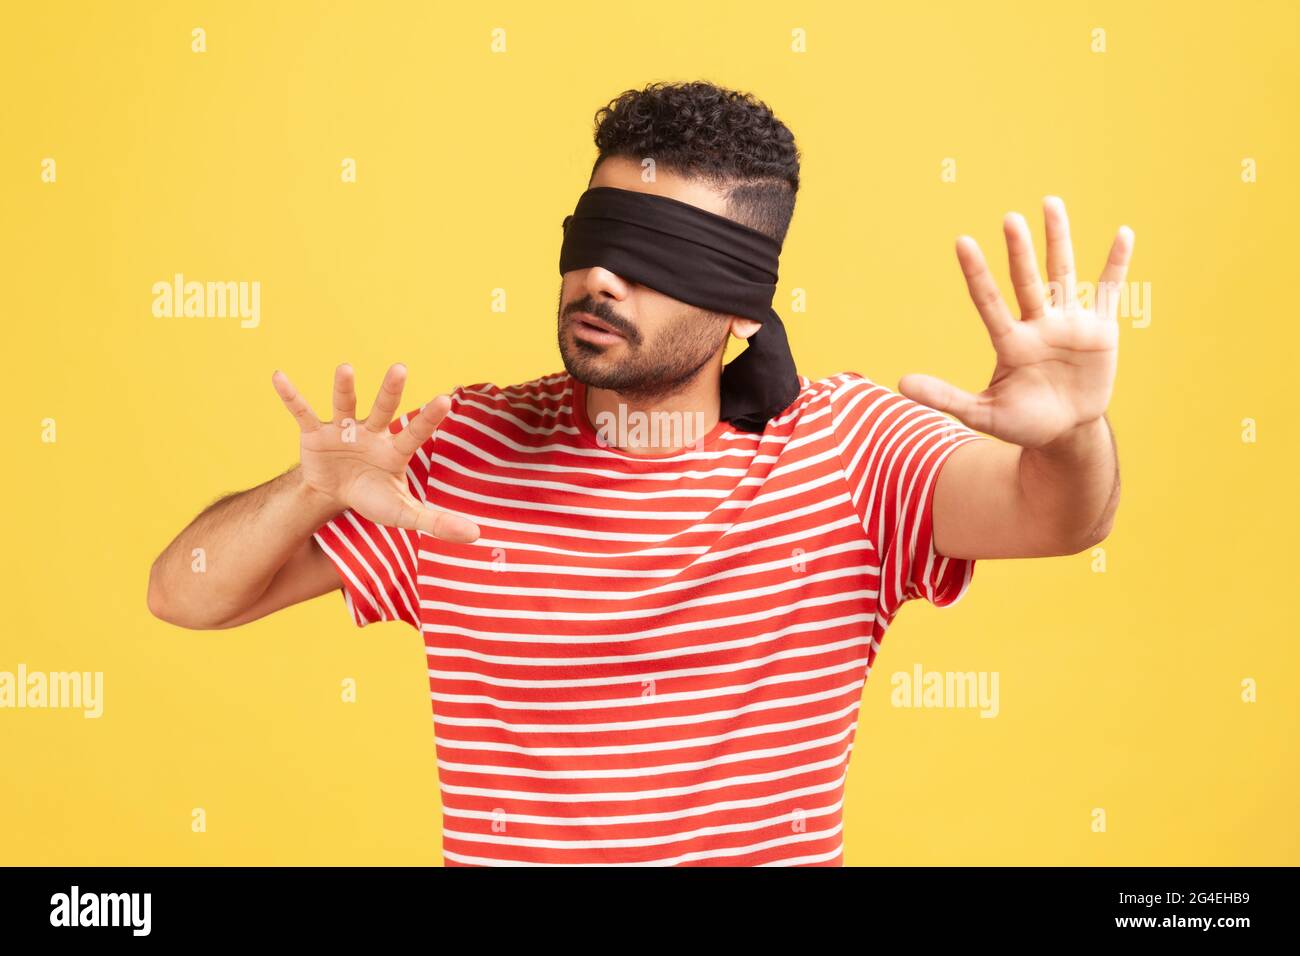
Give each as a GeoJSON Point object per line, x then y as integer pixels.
{"type": "Point", "coordinates": [1050, 484]}
{"type": "Point", "coordinates": [997, 500]}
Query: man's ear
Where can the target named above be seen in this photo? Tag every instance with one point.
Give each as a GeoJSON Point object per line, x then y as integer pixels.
{"type": "Point", "coordinates": [744, 328]}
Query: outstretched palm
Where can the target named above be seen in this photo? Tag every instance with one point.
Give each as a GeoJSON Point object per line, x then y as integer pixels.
{"type": "Point", "coordinates": [362, 465]}
{"type": "Point", "coordinates": [1056, 364]}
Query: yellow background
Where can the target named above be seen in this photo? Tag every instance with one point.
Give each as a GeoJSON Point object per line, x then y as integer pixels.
{"type": "Point", "coordinates": [1119, 690]}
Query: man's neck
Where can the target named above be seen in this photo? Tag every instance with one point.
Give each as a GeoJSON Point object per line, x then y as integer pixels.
{"type": "Point", "coordinates": [659, 426]}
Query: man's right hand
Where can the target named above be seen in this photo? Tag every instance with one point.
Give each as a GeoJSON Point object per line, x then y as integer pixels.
{"type": "Point", "coordinates": [362, 464]}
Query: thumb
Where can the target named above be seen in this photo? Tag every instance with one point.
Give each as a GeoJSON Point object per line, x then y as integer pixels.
{"type": "Point", "coordinates": [944, 397]}
{"type": "Point", "coordinates": [415, 516]}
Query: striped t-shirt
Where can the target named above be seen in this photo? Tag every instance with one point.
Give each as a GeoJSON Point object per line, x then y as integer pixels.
{"type": "Point", "coordinates": [655, 660]}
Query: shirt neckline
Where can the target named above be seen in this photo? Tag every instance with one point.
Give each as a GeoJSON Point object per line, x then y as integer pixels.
{"type": "Point", "coordinates": [587, 431]}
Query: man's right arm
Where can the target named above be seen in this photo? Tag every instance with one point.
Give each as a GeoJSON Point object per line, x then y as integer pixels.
{"type": "Point", "coordinates": [245, 556]}
{"type": "Point", "coordinates": [253, 553]}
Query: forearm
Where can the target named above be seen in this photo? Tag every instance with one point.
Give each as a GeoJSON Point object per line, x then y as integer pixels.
{"type": "Point", "coordinates": [1069, 488]}
{"type": "Point", "coordinates": [227, 557]}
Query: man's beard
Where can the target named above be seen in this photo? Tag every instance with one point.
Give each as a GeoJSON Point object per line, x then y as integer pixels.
{"type": "Point", "coordinates": [647, 371]}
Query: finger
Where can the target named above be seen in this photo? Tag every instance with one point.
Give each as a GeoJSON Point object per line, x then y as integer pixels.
{"type": "Point", "coordinates": [421, 426]}
{"type": "Point", "coordinates": [943, 397]}
{"type": "Point", "coordinates": [345, 393]}
{"type": "Point", "coordinates": [441, 524]}
{"type": "Point", "coordinates": [1060, 256]}
{"type": "Point", "coordinates": [297, 405]}
{"type": "Point", "coordinates": [983, 289]}
{"type": "Point", "coordinates": [390, 394]}
{"type": "Point", "coordinates": [1112, 277]}
{"type": "Point", "coordinates": [1024, 266]}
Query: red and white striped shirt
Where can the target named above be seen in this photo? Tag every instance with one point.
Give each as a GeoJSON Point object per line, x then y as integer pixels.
{"type": "Point", "coordinates": [655, 660]}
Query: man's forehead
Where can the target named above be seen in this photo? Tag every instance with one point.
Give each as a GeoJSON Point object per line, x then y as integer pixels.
{"type": "Point", "coordinates": [623, 173]}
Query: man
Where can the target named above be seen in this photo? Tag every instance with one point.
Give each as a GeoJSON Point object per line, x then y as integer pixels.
{"type": "Point", "coordinates": [648, 645]}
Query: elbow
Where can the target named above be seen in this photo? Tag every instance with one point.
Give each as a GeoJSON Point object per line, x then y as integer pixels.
{"type": "Point", "coordinates": [1087, 540]}
{"type": "Point", "coordinates": [1102, 529]}
{"type": "Point", "coordinates": [1076, 540]}
{"type": "Point", "coordinates": [1093, 538]}
{"type": "Point", "coordinates": [164, 606]}
{"type": "Point", "coordinates": [157, 596]}
{"type": "Point", "coordinates": [160, 604]}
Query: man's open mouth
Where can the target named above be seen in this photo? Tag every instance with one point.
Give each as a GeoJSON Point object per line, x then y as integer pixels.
{"type": "Point", "coordinates": [585, 320]}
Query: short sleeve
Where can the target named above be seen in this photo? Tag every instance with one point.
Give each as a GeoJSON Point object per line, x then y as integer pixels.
{"type": "Point", "coordinates": [377, 563]}
{"type": "Point", "coordinates": [892, 449]}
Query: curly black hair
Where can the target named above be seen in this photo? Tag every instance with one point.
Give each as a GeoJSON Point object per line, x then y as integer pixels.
{"type": "Point", "coordinates": [702, 131]}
